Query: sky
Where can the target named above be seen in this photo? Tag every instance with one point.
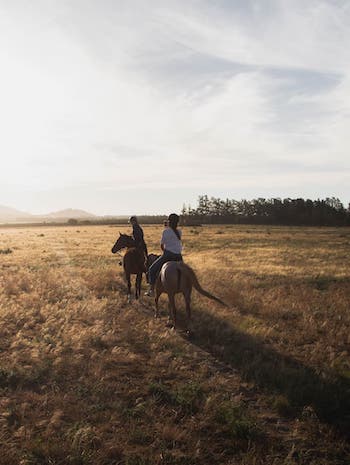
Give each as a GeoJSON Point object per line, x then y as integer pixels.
{"type": "Point", "coordinates": [140, 106]}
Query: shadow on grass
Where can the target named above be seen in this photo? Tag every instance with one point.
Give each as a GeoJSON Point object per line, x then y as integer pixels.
{"type": "Point", "coordinates": [273, 372]}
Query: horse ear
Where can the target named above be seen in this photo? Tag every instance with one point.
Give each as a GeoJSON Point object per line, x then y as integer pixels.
{"type": "Point", "coordinates": [120, 233]}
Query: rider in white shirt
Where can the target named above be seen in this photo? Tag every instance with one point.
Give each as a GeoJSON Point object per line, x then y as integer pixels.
{"type": "Point", "coordinates": [172, 247]}
{"type": "Point", "coordinates": [171, 241]}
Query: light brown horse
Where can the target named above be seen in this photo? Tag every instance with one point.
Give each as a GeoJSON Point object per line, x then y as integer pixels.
{"type": "Point", "coordinates": [175, 278]}
{"type": "Point", "coordinates": [134, 262]}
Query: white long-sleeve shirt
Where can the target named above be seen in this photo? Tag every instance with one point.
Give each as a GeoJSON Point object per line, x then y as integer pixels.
{"type": "Point", "coordinates": [171, 242]}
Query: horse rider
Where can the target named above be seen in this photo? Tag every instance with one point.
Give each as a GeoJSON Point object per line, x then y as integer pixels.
{"type": "Point", "coordinates": [171, 246]}
{"type": "Point", "coordinates": [137, 234]}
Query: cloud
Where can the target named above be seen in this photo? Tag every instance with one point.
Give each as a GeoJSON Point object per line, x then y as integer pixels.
{"type": "Point", "coordinates": [166, 95]}
{"type": "Point", "coordinates": [283, 34]}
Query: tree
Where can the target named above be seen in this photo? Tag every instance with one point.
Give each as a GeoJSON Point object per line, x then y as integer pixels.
{"type": "Point", "coordinates": [299, 211]}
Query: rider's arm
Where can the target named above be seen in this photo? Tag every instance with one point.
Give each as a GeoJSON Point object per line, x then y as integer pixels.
{"type": "Point", "coordinates": [162, 241]}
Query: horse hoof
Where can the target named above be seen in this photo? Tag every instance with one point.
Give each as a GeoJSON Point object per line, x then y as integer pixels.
{"type": "Point", "coordinates": [129, 299]}
{"type": "Point", "coordinates": [189, 334]}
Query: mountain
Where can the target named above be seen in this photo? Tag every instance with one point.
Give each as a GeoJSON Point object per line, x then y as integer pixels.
{"type": "Point", "coordinates": [11, 214]}
{"type": "Point", "coordinates": [69, 213]}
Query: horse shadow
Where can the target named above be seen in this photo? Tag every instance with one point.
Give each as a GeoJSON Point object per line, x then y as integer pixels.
{"type": "Point", "coordinates": [274, 373]}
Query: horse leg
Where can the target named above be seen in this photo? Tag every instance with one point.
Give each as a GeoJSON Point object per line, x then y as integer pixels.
{"type": "Point", "coordinates": [127, 275]}
{"type": "Point", "coordinates": [158, 293]}
{"type": "Point", "coordinates": [138, 285]}
{"type": "Point", "coordinates": [187, 296]}
{"type": "Point", "coordinates": [172, 309]}
{"type": "Point", "coordinates": [156, 299]}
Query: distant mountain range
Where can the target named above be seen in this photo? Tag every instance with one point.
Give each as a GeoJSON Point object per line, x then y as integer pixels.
{"type": "Point", "coordinates": [70, 213]}
{"type": "Point", "coordinates": [11, 215]}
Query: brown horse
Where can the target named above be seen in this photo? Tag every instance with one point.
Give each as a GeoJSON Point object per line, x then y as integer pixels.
{"type": "Point", "coordinates": [134, 262]}
{"type": "Point", "coordinates": [174, 278]}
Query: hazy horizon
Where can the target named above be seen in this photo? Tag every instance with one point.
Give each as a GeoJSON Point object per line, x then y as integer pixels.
{"type": "Point", "coordinates": [139, 107]}
{"type": "Point", "coordinates": [116, 214]}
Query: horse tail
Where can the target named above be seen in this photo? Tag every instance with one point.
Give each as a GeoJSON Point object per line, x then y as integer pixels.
{"type": "Point", "coordinates": [188, 271]}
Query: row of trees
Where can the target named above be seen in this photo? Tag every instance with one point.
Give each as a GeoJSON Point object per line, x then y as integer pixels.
{"type": "Point", "coordinates": [325, 212]}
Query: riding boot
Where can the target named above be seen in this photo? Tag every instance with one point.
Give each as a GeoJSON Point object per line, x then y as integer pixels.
{"type": "Point", "coordinates": [150, 291]}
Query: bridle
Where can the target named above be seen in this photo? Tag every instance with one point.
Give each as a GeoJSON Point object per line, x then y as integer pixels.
{"type": "Point", "coordinates": [120, 254]}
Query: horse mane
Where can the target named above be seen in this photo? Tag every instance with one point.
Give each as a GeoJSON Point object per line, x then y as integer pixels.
{"type": "Point", "coordinates": [127, 237]}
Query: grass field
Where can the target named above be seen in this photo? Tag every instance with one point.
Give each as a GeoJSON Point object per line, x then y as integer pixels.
{"type": "Point", "coordinates": [86, 378]}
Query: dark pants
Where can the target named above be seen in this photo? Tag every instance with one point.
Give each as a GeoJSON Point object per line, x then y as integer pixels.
{"type": "Point", "coordinates": [157, 265]}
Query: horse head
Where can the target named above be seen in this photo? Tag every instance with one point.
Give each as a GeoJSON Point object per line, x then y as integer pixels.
{"type": "Point", "coordinates": [123, 241]}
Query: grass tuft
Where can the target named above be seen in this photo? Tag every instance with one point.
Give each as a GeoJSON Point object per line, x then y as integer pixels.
{"type": "Point", "coordinates": [188, 397]}
{"type": "Point", "coordinates": [236, 423]}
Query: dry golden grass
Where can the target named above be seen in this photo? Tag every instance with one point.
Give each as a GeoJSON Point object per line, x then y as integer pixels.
{"type": "Point", "coordinates": [86, 378]}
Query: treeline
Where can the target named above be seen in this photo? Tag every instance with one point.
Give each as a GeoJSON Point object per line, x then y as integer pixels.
{"type": "Point", "coordinates": [325, 212]}
{"type": "Point", "coordinates": [121, 220]}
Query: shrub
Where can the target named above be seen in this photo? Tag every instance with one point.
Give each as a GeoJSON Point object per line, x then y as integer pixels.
{"type": "Point", "coordinates": [6, 251]}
